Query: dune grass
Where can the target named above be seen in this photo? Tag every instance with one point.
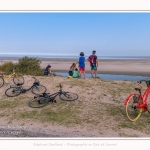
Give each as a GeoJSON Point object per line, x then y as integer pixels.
{"type": "Point", "coordinates": [100, 107]}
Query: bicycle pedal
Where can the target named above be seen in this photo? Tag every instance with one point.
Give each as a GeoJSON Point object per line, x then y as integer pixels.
{"type": "Point", "coordinates": [145, 109]}
{"type": "Point", "coordinates": [134, 107]}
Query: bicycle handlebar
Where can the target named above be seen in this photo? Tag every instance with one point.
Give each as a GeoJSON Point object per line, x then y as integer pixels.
{"type": "Point", "coordinates": [145, 80]}
{"type": "Point", "coordinates": [140, 81]}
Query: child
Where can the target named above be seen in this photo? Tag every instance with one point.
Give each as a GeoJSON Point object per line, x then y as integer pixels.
{"type": "Point", "coordinates": [48, 70]}
{"type": "Point", "coordinates": [76, 73]}
{"type": "Point", "coordinates": [82, 65]}
{"type": "Point", "coordinates": [73, 66]}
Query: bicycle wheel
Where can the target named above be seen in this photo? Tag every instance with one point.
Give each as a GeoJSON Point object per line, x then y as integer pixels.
{"type": "Point", "coordinates": [38, 89]}
{"type": "Point", "coordinates": [18, 80]}
{"type": "Point", "coordinates": [68, 96]}
{"type": "Point", "coordinates": [1, 82]}
{"type": "Point", "coordinates": [38, 102]}
{"type": "Point", "coordinates": [13, 91]}
{"type": "Point", "coordinates": [133, 113]}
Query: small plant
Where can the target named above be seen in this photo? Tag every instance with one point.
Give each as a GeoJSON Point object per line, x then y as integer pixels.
{"type": "Point", "coordinates": [25, 65]}
{"type": "Point", "coordinates": [7, 67]}
{"type": "Point", "coordinates": [31, 66]}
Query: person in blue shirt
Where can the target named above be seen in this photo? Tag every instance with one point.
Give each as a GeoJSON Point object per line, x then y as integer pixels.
{"type": "Point", "coordinates": [82, 65]}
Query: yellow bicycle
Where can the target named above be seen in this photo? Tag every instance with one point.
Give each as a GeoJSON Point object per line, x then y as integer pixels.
{"type": "Point", "coordinates": [17, 78]}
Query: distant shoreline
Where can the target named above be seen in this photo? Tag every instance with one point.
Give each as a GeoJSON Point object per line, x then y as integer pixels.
{"type": "Point", "coordinates": [70, 59]}
{"type": "Point", "coordinates": [138, 67]}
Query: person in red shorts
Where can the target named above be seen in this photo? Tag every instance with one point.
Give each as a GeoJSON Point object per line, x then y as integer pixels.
{"type": "Point", "coordinates": [82, 65]}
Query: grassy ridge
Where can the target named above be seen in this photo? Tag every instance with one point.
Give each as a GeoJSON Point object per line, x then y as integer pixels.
{"type": "Point", "coordinates": [100, 107]}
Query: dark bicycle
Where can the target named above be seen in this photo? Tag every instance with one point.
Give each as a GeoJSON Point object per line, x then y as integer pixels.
{"type": "Point", "coordinates": [36, 88]}
{"type": "Point", "coordinates": [1, 81]}
{"type": "Point", "coordinates": [45, 98]}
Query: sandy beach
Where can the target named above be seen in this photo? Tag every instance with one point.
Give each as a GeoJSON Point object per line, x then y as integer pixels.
{"type": "Point", "coordinates": [106, 66]}
{"type": "Point", "coordinates": [98, 112]}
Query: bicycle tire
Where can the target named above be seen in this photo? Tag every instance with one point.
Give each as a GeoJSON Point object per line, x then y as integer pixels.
{"type": "Point", "coordinates": [1, 82]}
{"type": "Point", "coordinates": [38, 89]}
{"type": "Point", "coordinates": [13, 91]}
{"type": "Point", "coordinates": [133, 113]}
{"type": "Point", "coordinates": [38, 102]}
{"type": "Point", "coordinates": [18, 80]}
{"type": "Point", "coordinates": [68, 96]}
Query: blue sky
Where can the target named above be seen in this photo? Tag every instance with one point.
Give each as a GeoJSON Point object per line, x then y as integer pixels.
{"type": "Point", "coordinates": [110, 34]}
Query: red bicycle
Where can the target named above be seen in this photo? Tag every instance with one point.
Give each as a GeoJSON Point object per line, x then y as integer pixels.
{"type": "Point", "coordinates": [137, 103]}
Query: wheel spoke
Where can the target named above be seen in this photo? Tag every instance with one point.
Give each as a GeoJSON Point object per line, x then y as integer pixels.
{"type": "Point", "coordinates": [18, 80]}
{"type": "Point", "coordinates": [132, 110]}
{"type": "Point", "coordinates": [39, 89]}
{"type": "Point", "coordinates": [68, 96]}
{"type": "Point", "coordinates": [38, 102]}
{"type": "Point", "coordinates": [11, 92]}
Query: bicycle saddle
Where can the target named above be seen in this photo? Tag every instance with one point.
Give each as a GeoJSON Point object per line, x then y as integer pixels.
{"type": "Point", "coordinates": [138, 89]}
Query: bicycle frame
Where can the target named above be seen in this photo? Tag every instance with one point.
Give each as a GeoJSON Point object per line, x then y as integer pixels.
{"type": "Point", "coordinates": [22, 89]}
{"type": "Point", "coordinates": [10, 76]}
{"type": "Point", "coordinates": [54, 95]}
{"type": "Point", "coordinates": [143, 97]}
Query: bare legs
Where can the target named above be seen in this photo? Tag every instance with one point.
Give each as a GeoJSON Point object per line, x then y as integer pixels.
{"type": "Point", "coordinates": [82, 72]}
{"type": "Point", "coordinates": [94, 73]}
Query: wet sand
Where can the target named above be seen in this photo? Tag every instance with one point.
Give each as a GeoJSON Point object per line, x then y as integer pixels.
{"type": "Point", "coordinates": [106, 66]}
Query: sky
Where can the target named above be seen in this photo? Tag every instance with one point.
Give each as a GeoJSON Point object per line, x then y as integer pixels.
{"type": "Point", "coordinates": [69, 33]}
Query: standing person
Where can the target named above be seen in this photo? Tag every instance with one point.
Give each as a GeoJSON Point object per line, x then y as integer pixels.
{"type": "Point", "coordinates": [48, 70]}
{"type": "Point", "coordinates": [82, 65]}
{"type": "Point", "coordinates": [93, 63]}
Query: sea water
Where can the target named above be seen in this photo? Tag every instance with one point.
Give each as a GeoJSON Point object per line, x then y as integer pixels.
{"type": "Point", "coordinates": [110, 76]}
{"type": "Point", "coordinates": [88, 75]}
{"type": "Point", "coordinates": [17, 55]}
